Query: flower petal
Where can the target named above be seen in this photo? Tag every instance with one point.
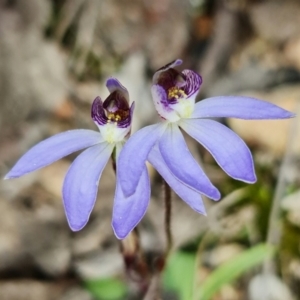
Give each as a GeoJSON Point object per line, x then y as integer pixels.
{"type": "Point", "coordinates": [192, 198]}
{"type": "Point", "coordinates": [182, 164]}
{"type": "Point", "coordinates": [114, 84]}
{"type": "Point", "coordinates": [134, 155]}
{"type": "Point", "coordinates": [53, 149]}
{"type": "Point", "coordinates": [128, 212]}
{"type": "Point", "coordinates": [98, 113]}
{"type": "Point", "coordinates": [81, 184]}
{"type": "Point", "coordinates": [168, 66]}
{"type": "Point", "coordinates": [228, 149]}
{"type": "Point", "coordinates": [193, 82]}
{"type": "Point", "coordinates": [239, 107]}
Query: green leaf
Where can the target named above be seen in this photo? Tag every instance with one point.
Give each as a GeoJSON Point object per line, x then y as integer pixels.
{"type": "Point", "coordinates": [106, 289]}
{"type": "Point", "coordinates": [179, 274]}
{"type": "Point", "coordinates": [231, 270]}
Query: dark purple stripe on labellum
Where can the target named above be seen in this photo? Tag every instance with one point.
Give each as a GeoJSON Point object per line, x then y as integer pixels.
{"type": "Point", "coordinates": [127, 121]}
{"type": "Point", "coordinates": [97, 112]}
{"type": "Point", "coordinates": [193, 82]}
{"type": "Point", "coordinates": [123, 123]}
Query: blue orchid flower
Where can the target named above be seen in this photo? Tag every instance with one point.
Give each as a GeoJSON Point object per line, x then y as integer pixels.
{"type": "Point", "coordinates": [113, 118]}
{"type": "Point", "coordinates": [163, 144]}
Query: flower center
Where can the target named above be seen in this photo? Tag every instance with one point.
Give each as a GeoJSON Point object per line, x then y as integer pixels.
{"type": "Point", "coordinates": [176, 92]}
{"type": "Point", "coordinates": [112, 133]}
{"type": "Point", "coordinates": [185, 108]}
{"type": "Point", "coordinates": [117, 116]}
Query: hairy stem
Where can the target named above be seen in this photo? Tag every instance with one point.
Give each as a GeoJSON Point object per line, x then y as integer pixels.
{"type": "Point", "coordinates": [154, 291]}
{"type": "Point", "coordinates": [168, 211]}
{"type": "Point", "coordinates": [136, 267]}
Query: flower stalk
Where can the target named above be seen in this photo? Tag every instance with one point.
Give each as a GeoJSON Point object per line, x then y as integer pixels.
{"type": "Point", "coordinates": [168, 213]}
{"type": "Point", "coordinates": [135, 265]}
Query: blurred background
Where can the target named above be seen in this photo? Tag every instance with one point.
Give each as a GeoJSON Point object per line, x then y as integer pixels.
{"type": "Point", "coordinates": [55, 56]}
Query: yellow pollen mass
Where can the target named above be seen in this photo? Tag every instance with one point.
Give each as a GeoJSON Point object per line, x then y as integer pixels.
{"type": "Point", "coordinates": [113, 117]}
{"type": "Point", "coordinates": [175, 92]}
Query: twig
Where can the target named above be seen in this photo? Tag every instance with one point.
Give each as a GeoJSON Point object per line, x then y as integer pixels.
{"type": "Point", "coordinates": [222, 44]}
{"type": "Point", "coordinates": [67, 15]}
{"type": "Point", "coordinates": [153, 292]}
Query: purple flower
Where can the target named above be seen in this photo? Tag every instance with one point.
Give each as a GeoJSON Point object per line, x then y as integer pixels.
{"type": "Point", "coordinates": [113, 118]}
{"type": "Point", "coordinates": [163, 144]}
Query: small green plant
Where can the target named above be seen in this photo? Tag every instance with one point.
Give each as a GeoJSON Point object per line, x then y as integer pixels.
{"type": "Point", "coordinates": [106, 289]}
{"type": "Point", "coordinates": [180, 272]}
